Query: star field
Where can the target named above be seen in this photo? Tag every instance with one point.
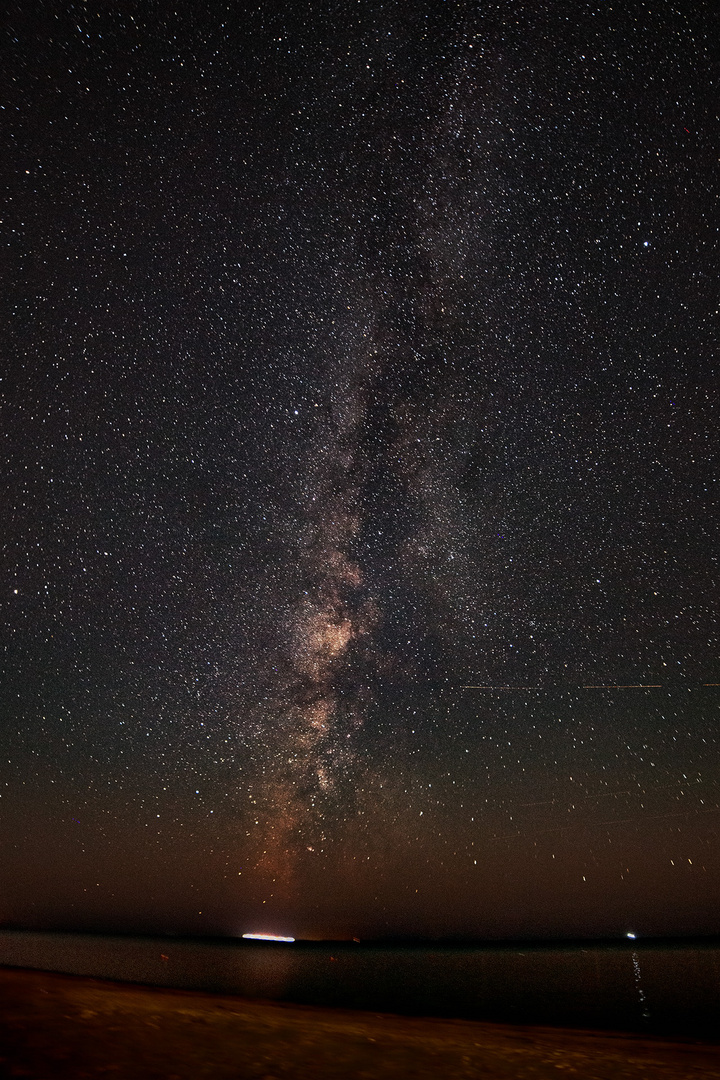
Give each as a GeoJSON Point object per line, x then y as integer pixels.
{"type": "Point", "coordinates": [358, 412]}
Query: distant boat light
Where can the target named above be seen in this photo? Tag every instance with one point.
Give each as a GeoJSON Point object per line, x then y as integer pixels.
{"type": "Point", "coordinates": [267, 937]}
{"type": "Point", "coordinates": [629, 935]}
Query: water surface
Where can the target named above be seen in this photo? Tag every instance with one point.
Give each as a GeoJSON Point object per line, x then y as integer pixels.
{"type": "Point", "coordinates": [654, 986]}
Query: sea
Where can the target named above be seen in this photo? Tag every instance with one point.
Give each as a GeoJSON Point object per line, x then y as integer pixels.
{"type": "Point", "coordinates": [669, 987]}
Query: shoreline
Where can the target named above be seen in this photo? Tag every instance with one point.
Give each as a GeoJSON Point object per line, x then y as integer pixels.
{"type": "Point", "coordinates": [649, 988]}
{"type": "Point", "coordinates": [65, 1026]}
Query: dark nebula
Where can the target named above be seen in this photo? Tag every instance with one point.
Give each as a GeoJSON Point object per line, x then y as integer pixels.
{"type": "Point", "coordinates": [359, 414]}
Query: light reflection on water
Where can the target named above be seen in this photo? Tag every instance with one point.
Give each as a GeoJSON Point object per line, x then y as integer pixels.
{"type": "Point", "coordinates": [638, 983]}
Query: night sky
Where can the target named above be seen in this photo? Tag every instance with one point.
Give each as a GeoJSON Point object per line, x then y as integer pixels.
{"type": "Point", "coordinates": [359, 468]}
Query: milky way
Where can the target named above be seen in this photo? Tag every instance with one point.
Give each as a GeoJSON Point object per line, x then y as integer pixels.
{"type": "Point", "coordinates": [315, 705]}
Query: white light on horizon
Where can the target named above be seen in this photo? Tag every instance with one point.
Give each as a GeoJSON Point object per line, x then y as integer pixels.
{"type": "Point", "coordinates": [629, 935]}
{"type": "Point", "coordinates": [267, 937]}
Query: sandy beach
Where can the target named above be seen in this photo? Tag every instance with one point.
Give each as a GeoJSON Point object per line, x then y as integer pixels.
{"type": "Point", "coordinates": [55, 1025]}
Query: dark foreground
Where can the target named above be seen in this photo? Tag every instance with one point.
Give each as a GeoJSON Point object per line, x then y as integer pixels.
{"type": "Point", "coordinates": [67, 1026]}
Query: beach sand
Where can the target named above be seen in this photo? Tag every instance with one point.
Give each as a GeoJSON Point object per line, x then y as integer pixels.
{"type": "Point", "coordinates": [68, 1026]}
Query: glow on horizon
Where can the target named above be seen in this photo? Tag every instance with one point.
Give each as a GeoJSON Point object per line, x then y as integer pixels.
{"type": "Point", "coordinates": [267, 937]}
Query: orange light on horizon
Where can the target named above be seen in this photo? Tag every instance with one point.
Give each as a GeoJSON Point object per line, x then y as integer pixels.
{"type": "Point", "coordinates": [267, 937]}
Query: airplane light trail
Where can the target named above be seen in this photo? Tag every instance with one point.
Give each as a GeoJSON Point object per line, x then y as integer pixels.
{"type": "Point", "coordinates": [599, 686]}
